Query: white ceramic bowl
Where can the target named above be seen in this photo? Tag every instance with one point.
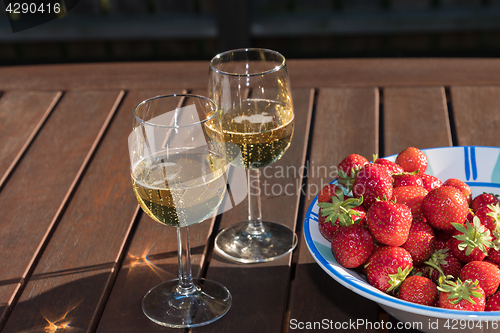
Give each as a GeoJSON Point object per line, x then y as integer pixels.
{"type": "Point", "coordinates": [479, 167]}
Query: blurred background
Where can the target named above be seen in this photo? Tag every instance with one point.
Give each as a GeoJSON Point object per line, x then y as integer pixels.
{"type": "Point", "coordinates": [151, 30]}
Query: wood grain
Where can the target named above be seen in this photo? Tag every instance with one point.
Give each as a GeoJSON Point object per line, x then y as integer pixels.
{"type": "Point", "coordinates": [311, 73]}
{"type": "Point", "coordinates": [414, 117]}
{"type": "Point", "coordinates": [72, 277]}
{"type": "Point", "coordinates": [314, 294]}
{"type": "Point", "coordinates": [22, 113]}
{"type": "Point", "coordinates": [38, 190]}
{"type": "Point", "coordinates": [476, 111]}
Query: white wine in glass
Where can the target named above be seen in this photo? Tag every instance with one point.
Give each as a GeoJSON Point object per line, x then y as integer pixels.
{"type": "Point", "coordinates": [258, 129]}
{"type": "Point", "coordinates": [179, 178]}
{"type": "Point", "coordinates": [174, 190]}
{"type": "Point", "coordinates": [252, 89]}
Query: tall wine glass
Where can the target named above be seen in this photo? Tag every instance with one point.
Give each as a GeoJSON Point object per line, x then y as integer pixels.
{"type": "Point", "coordinates": [178, 177]}
{"type": "Point", "coordinates": [251, 88]}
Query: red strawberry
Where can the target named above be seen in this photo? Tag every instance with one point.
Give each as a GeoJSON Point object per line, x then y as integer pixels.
{"type": "Point", "coordinates": [389, 222]}
{"type": "Point", "coordinates": [489, 216]}
{"type": "Point", "coordinates": [326, 229]}
{"type": "Point", "coordinates": [483, 199]}
{"type": "Point", "coordinates": [442, 261]}
{"type": "Point", "coordinates": [467, 295]}
{"type": "Point", "coordinates": [430, 182]}
{"type": "Point", "coordinates": [471, 241]}
{"type": "Point", "coordinates": [487, 259]}
{"type": "Point", "coordinates": [445, 205]}
{"type": "Point", "coordinates": [418, 289]}
{"type": "Point", "coordinates": [388, 267]}
{"type": "Point", "coordinates": [341, 211]}
{"type": "Point", "coordinates": [463, 187]}
{"type": "Point", "coordinates": [393, 167]}
{"type": "Point", "coordinates": [470, 215]}
{"type": "Point", "coordinates": [407, 179]}
{"type": "Point", "coordinates": [411, 196]}
{"type": "Point", "coordinates": [372, 181]}
{"type": "Point", "coordinates": [327, 191]}
{"type": "Point", "coordinates": [493, 303]}
{"type": "Point", "coordinates": [348, 168]}
{"type": "Point", "coordinates": [486, 273]}
{"type": "Point", "coordinates": [352, 245]}
{"type": "Point", "coordinates": [494, 256]}
{"type": "Point", "coordinates": [442, 238]}
{"type": "Point", "coordinates": [412, 159]}
{"type": "Point", "coordinates": [421, 241]}
{"type": "Point", "coordinates": [352, 162]}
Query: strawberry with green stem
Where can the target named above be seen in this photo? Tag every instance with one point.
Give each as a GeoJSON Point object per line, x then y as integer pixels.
{"type": "Point", "coordinates": [347, 170]}
{"type": "Point", "coordinates": [471, 241]}
{"type": "Point", "coordinates": [490, 216]}
{"type": "Point", "coordinates": [327, 191]}
{"type": "Point", "coordinates": [442, 262]}
{"type": "Point", "coordinates": [341, 211]}
{"type": "Point", "coordinates": [458, 295]}
{"type": "Point", "coordinates": [388, 267]}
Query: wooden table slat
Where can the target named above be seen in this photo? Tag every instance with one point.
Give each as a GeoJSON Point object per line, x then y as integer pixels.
{"type": "Point", "coordinates": [49, 172]}
{"type": "Point", "coordinates": [304, 73]}
{"type": "Point", "coordinates": [22, 113]}
{"type": "Point", "coordinates": [345, 122]}
{"type": "Point", "coordinates": [476, 113]}
{"type": "Point", "coordinates": [415, 117]}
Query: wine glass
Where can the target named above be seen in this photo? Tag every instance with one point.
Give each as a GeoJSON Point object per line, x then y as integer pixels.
{"type": "Point", "coordinates": [179, 178]}
{"type": "Point", "coordinates": [251, 88]}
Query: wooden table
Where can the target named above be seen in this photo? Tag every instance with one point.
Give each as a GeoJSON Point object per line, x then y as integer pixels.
{"type": "Point", "coordinates": [77, 254]}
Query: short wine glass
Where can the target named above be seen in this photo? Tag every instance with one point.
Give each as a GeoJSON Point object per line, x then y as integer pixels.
{"type": "Point", "coordinates": [179, 178]}
{"type": "Point", "coordinates": [252, 89]}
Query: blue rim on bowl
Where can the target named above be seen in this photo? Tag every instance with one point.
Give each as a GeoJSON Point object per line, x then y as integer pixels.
{"type": "Point", "coordinates": [478, 166]}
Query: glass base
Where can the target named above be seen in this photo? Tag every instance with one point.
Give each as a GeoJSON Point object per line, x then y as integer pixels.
{"type": "Point", "coordinates": [236, 243]}
{"type": "Point", "coordinates": [166, 307]}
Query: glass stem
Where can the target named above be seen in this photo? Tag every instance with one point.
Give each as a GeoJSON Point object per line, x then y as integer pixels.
{"type": "Point", "coordinates": [186, 285]}
{"type": "Point", "coordinates": [255, 226]}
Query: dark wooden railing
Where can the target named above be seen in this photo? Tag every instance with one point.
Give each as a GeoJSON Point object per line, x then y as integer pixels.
{"type": "Point", "coordinates": [173, 29]}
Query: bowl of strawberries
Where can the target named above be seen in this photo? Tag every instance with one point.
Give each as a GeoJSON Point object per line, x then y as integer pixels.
{"type": "Point", "coordinates": [418, 233]}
